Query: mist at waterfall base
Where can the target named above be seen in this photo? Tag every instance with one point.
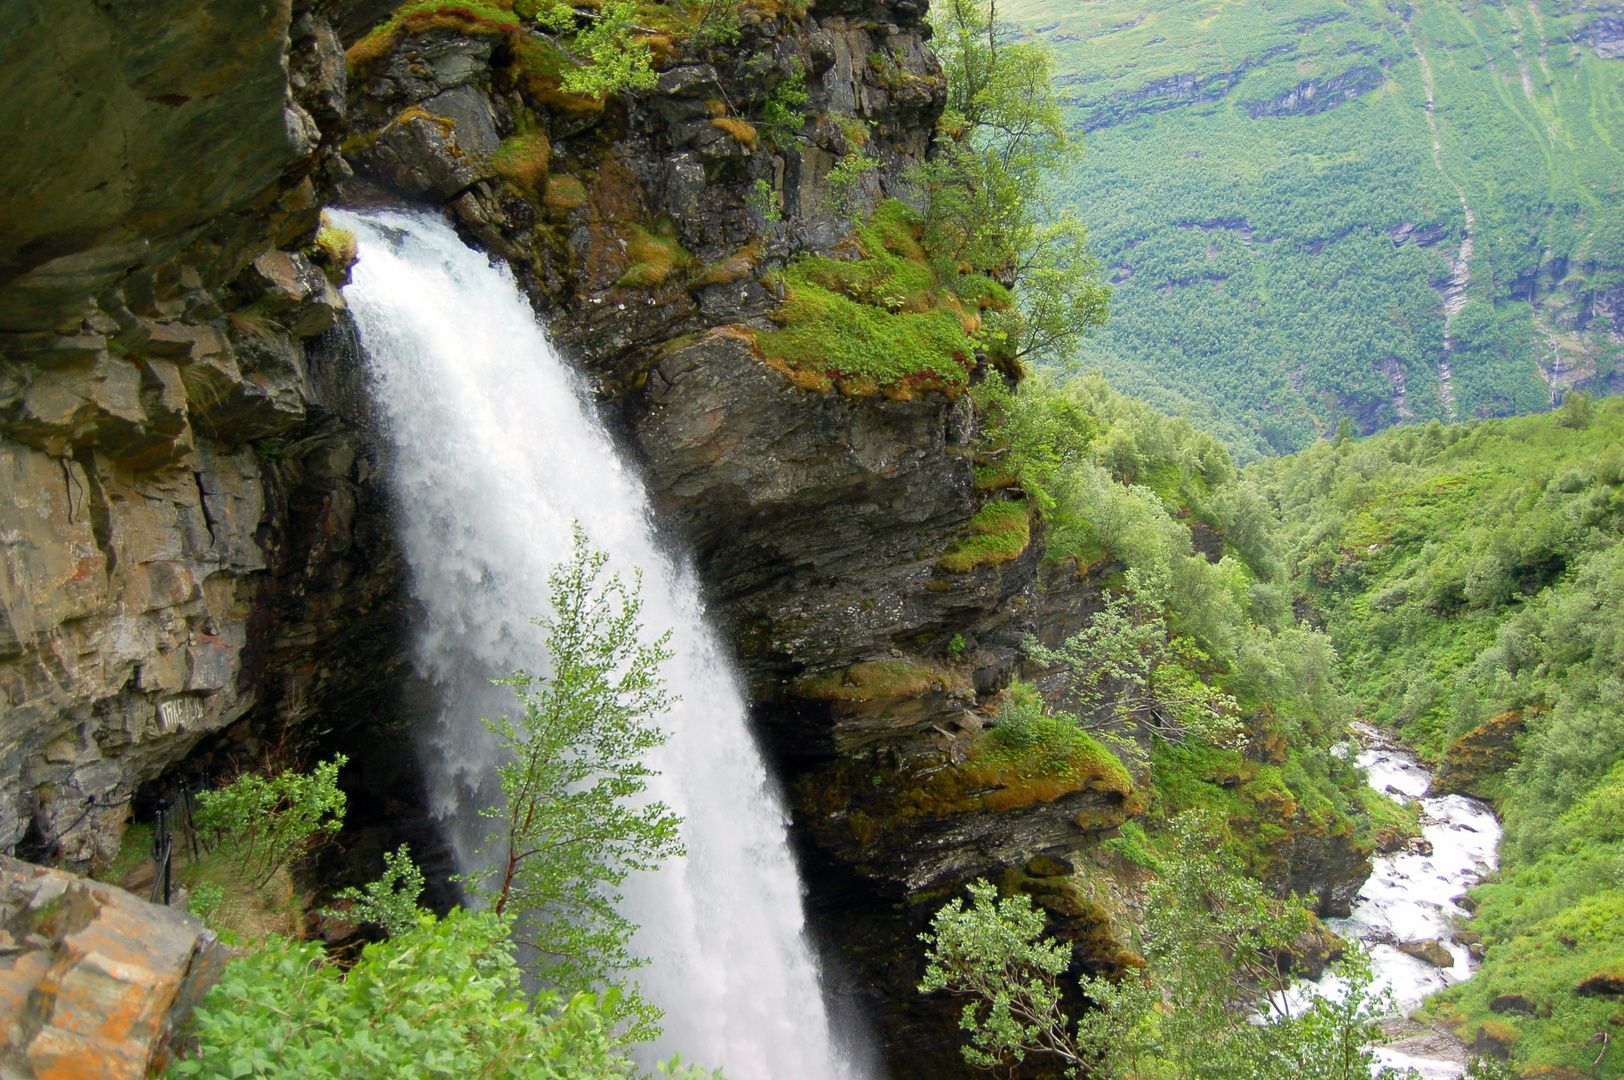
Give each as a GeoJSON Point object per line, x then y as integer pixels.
{"type": "Point", "coordinates": [494, 456]}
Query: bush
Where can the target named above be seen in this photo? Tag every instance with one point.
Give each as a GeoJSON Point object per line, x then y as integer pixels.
{"type": "Point", "coordinates": [442, 1002]}
{"type": "Point", "coordinates": [389, 903]}
{"type": "Point", "coordinates": [266, 823]}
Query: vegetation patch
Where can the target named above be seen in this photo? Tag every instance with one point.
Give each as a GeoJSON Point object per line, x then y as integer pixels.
{"type": "Point", "coordinates": [1389, 824]}
{"type": "Point", "coordinates": [738, 130]}
{"type": "Point", "coordinates": [1261, 809]}
{"type": "Point", "coordinates": [1472, 577]}
{"type": "Point", "coordinates": [655, 255]}
{"type": "Point", "coordinates": [523, 160]}
{"type": "Point", "coordinates": [472, 17]}
{"type": "Point", "coordinates": [564, 193]}
{"type": "Point", "coordinates": [999, 532]}
{"type": "Point", "coordinates": [874, 679]}
{"type": "Point", "coordinates": [884, 321]}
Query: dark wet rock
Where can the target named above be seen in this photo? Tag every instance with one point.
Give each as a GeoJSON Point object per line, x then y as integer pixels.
{"type": "Point", "coordinates": [1512, 1005]}
{"type": "Point", "coordinates": [120, 111]}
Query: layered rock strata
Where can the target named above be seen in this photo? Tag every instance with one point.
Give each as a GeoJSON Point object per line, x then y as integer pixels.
{"type": "Point", "coordinates": [93, 981]}
{"type": "Point", "coordinates": [182, 497]}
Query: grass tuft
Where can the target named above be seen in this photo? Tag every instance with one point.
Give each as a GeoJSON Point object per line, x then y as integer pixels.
{"type": "Point", "coordinates": [999, 532]}
{"type": "Point", "coordinates": [523, 159]}
{"type": "Point", "coordinates": [655, 255]}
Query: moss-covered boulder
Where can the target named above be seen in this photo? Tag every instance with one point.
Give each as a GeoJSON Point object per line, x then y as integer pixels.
{"type": "Point", "coordinates": [1474, 763]}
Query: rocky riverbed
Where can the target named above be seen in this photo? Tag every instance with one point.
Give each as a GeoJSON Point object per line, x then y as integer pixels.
{"type": "Point", "coordinates": [1410, 915]}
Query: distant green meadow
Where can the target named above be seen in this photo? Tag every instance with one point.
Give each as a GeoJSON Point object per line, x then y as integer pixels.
{"type": "Point", "coordinates": [1260, 181]}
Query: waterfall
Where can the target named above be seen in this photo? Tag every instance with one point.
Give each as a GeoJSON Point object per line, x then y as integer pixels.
{"type": "Point", "coordinates": [494, 455]}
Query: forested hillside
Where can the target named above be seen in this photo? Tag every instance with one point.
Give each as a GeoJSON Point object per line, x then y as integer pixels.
{"type": "Point", "coordinates": [1472, 580]}
{"type": "Point", "coordinates": [1319, 209]}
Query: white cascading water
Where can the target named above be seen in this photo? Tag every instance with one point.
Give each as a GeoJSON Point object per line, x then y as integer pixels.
{"type": "Point", "coordinates": [494, 456]}
{"type": "Point", "coordinates": [1410, 897]}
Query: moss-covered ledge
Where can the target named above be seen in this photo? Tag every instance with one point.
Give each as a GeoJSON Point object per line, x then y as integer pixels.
{"type": "Point", "coordinates": [918, 825]}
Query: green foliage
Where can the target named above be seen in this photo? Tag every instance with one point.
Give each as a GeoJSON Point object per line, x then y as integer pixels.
{"type": "Point", "coordinates": [205, 900]}
{"type": "Point", "coordinates": [1125, 672]}
{"type": "Point", "coordinates": [784, 113]}
{"type": "Point", "coordinates": [591, 53]}
{"type": "Point", "coordinates": [391, 901]}
{"type": "Point", "coordinates": [1257, 285]}
{"type": "Point", "coordinates": [268, 822]}
{"type": "Point", "coordinates": [1212, 936]}
{"type": "Point", "coordinates": [441, 1002]}
{"type": "Point", "coordinates": [884, 321]}
{"type": "Point", "coordinates": [1199, 647]}
{"type": "Point", "coordinates": [983, 190]}
{"type": "Point", "coordinates": [1133, 845]}
{"type": "Point", "coordinates": [764, 201]}
{"type": "Point", "coordinates": [993, 953]}
{"type": "Point", "coordinates": [999, 532]}
{"type": "Point", "coordinates": [1029, 740]}
{"type": "Point", "coordinates": [572, 828]}
{"type": "Point", "coordinates": [846, 179]}
{"type": "Point", "coordinates": [1470, 572]}
{"type": "Point", "coordinates": [608, 57]}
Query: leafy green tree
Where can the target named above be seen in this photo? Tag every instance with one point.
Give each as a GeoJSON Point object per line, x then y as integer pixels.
{"type": "Point", "coordinates": [268, 822]}
{"type": "Point", "coordinates": [1127, 671]}
{"type": "Point", "coordinates": [1027, 438]}
{"type": "Point", "coordinates": [391, 901]}
{"type": "Point", "coordinates": [1001, 135]}
{"type": "Point", "coordinates": [993, 953]}
{"type": "Point", "coordinates": [1213, 939]}
{"type": "Point", "coordinates": [574, 825]}
{"type": "Point", "coordinates": [608, 53]}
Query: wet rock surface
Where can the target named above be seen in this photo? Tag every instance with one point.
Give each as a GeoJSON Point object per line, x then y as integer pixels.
{"type": "Point", "coordinates": [195, 547]}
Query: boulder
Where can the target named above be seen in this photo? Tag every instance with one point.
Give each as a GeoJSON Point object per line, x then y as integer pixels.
{"type": "Point", "coordinates": [1512, 1005]}
{"type": "Point", "coordinates": [440, 148]}
{"type": "Point", "coordinates": [93, 981]}
{"type": "Point", "coordinates": [1431, 950]}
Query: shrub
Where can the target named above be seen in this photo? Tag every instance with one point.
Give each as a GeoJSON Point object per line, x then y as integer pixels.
{"type": "Point", "coordinates": [390, 902]}
{"type": "Point", "coordinates": [268, 822]}
{"type": "Point", "coordinates": [441, 1002]}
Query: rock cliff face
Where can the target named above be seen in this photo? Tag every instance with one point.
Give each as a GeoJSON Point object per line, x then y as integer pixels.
{"type": "Point", "coordinates": [198, 558]}
{"type": "Point", "coordinates": [95, 982]}
{"type": "Point", "coordinates": [190, 525]}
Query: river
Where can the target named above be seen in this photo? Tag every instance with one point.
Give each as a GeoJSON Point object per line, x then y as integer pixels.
{"type": "Point", "coordinates": [1411, 897]}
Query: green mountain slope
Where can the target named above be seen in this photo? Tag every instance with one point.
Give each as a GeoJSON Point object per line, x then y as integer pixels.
{"type": "Point", "coordinates": [1295, 236]}
{"type": "Point", "coordinates": [1472, 579]}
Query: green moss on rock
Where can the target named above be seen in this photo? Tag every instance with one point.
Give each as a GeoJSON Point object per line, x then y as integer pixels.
{"type": "Point", "coordinates": [873, 679]}
{"type": "Point", "coordinates": [999, 532]}
{"type": "Point", "coordinates": [884, 322]}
